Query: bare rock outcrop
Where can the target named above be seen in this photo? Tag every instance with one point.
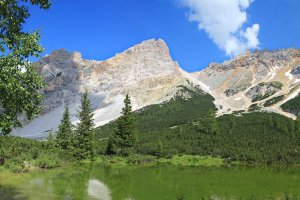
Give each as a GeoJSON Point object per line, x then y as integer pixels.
{"type": "Point", "coordinates": [145, 71]}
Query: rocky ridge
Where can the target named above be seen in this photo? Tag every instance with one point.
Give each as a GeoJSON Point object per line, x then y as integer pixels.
{"type": "Point", "coordinates": [264, 79]}
{"type": "Point", "coordinates": [145, 71]}
{"type": "Point", "coordinates": [252, 76]}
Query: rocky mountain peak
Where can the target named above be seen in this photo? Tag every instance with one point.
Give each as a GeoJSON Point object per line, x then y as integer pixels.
{"type": "Point", "coordinates": [61, 55]}
{"type": "Point", "coordinates": [263, 74]}
{"type": "Point", "coordinates": [145, 71]}
{"type": "Point", "coordinates": [153, 49]}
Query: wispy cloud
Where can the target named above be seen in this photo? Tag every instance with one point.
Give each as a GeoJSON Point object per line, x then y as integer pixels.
{"type": "Point", "coordinates": [224, 21]}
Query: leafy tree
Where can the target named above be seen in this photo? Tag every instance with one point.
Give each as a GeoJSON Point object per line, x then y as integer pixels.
{"type": "Point", "coordinates": [125, 136]}
{"type": "Point", "coordinates": [19, 81]}
{"type": "Point", "coordinates": [65, 136]}
{"type": "Point", "coordinates": [84, 133]}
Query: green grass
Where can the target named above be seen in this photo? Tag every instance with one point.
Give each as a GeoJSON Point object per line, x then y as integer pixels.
{"type": "Point", "coordinates": [193, 160]}
{"type": "Point", "coordinates": [147, 160]}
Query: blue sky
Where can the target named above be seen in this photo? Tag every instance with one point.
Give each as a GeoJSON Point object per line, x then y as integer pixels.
{"type": "Point", "coordinates": [101, 28]}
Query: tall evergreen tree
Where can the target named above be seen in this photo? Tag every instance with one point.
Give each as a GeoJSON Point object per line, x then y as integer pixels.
{"type": "Point", "coordinates": [50, 141]}
{"type": "Point", "coordinates": [65, 136]}
{"type": "Point", "coordinates": [125, 135]}
{"type": "Point", "coordinates": [84, 132]}
{"type": "Point", "coordinates": [208, 123]}
{"type": "Point", "coordinates": [297, 125]}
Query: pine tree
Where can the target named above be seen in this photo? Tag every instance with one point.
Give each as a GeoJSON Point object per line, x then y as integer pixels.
{"type": "Point", "coordinates": [50, 141]}
{"type": "Point", "coordinates": [124, 137]}
{"type": "Point", "coordinates": [297, 125]}
{"type": "Point", "coordinates": [208, 124]}
{"type": "Point", "coordinates": [84, 132]}
{"type": "Point", "coordinates": [65, 136]}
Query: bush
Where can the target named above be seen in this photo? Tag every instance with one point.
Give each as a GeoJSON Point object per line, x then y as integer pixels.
{"type": "Point", "coordinates": [48, 161]}
{"type": "Point", "coordinates": [141, 159]}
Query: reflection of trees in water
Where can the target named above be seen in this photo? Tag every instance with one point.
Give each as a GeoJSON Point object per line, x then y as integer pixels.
{"type": "Point", "coordinates": [10, 193]}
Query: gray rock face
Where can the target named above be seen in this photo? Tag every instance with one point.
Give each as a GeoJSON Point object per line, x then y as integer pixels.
{"type": "Point", "coordinates": [146, 72]}
{"type": "Point", "coordinates": [141, 69]}
{"type": "Point", "coordinates": [243, 69]}
{"type": "Point", "coordinates": [149, 75]}
{"type": "Point", "coordinates": [296, 72]}
{"type": "Point", "coordinates": [263, 91]}
{"type": "Point", "coordinates": [61, 71]}
{"type": "Point", "coordinates": [235, 83]}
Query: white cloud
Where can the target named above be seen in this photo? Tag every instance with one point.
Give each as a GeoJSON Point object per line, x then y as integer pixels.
{"type": "Point", "coordinates": [223, 21]}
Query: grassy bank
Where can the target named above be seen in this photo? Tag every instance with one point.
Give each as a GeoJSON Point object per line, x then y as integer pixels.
{"type": "Point", "coordinates": [178, 160]}
{"type": "Point", "coordinates": [114, 161]}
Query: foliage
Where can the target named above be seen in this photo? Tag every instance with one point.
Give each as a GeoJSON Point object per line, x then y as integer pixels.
{"type": "Point", "coordinates": [208, 124]}
{"type": "Point", "coordinates": [84, 136]}
{"type": "Point", "coordinates": [176, 111]}
{"type": "Point", "coordinates": [48, 161]}
{"type": "Point", "coordinates": [274, 100]}
{"type": "Point", "coordinates": [124, 137]}
{"type": "Point", "coordinates": [19, 81]}
{"type": "Point", "coordinates": [254, 107]}
{"type": "Point", "coordinates": [255, 137]}
{"type": "Point", "coordinates": [21, 154]}
{"type": "Point", "coordinates": [192, 160]}
{"type": "Point", "coordinates": [65, 136]}
{"type": "Point", "coordinates": [292, 105]}
{"type": "Point", "coordinates": [50, 141]}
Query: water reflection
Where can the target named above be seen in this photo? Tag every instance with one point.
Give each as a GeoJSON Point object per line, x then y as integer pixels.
{"type": "Point", "coordinates": [98, 190]}
{"type": "Point", "coordinates": [159, 182]}
{"type": "Point", "coordinates": [10, 193]}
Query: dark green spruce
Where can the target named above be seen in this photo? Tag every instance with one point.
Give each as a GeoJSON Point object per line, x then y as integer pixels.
{"type": "Point", "coordinates": [84, 134]}
{"type": "Point", "coordinates": [125, 135]}
{"type": "Point", "coordinates": [65, 136]}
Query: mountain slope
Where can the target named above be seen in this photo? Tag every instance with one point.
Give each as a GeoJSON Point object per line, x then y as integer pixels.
{"type": "Point", "coordinates": [146, 72]}
{"type": "Point", "coordinates": [263, 80]}
{"type": "Point", "coordinates": [183, 126]}
{"type": "Point", "coordinates": [257, 77]}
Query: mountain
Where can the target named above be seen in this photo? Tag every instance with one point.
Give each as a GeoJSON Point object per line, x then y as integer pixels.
{"type": "Point", "coordinates": [262, 80]}
{"type": "Point", "coordinates": [146, 72]}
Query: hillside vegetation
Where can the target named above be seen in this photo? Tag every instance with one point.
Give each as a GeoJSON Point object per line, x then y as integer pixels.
{"type": "Point", "coordinates": [292, 106]}
{"type": "Point", "coordinates": [188, 126]}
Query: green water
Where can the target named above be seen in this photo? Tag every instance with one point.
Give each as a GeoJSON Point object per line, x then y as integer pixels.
{"type": "Point", "coordinates": [159, 182]}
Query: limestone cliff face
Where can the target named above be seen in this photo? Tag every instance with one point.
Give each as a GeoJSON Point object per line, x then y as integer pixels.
{"type": "Point", "coordinates": [262, 74]}
{"type": "Point", "coordinates": [146, 72]}
{"type": "Point", "coordinates": [149, 75]}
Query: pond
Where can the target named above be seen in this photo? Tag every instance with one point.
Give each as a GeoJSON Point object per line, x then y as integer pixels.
{"type": "Point", "coordinates": [156, 182]}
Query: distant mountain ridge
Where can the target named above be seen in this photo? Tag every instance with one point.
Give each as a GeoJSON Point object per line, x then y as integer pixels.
{"type": "Point", "coordinates": [145, 71]}
{"type": "Point", "coordinates": [149, 75]}
{"type": "Point", "coordinates": [254, 78]}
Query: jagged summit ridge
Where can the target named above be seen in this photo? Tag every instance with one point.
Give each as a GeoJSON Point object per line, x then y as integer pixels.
{"type": "Point", "coordinates": [148, 74]}
{"type": "Point", "coordinates": [258, 72]}
{"type": "Point", "coordinates": [145, 71]}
